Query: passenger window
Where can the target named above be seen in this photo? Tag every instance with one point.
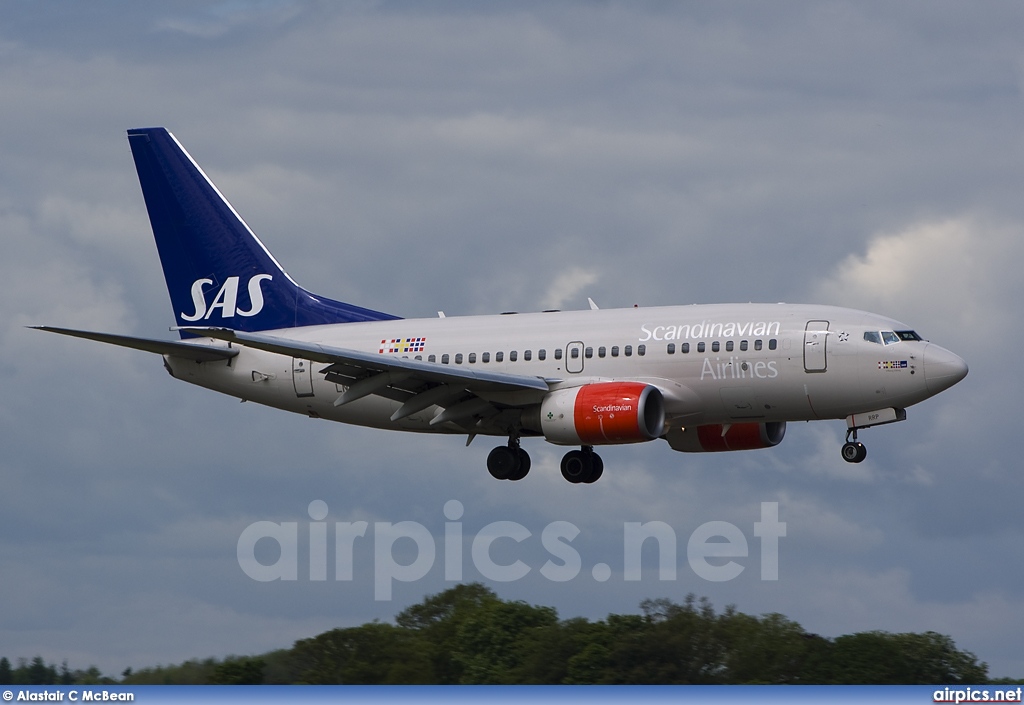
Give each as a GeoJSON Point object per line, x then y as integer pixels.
{"type": "Point", "coordinates": [528, 355]}
{"type": "Point", "coordinates": [685, 348]}
{"type": "Point", "coordinates": [499, 356]}
{"type": "Point", "coordinates": [758, 344]}
{"type": "Point", "coordinates": [671, 349]}
{"type": "Point", "coordinates": [588, 353]}
{"type": "Point", "coordinates": [700, 346]}
{"type": "Point", "coordinates": [574, 353]}
{"type": "Point", "coordinates": [542, 354]}
{"type": "Point", "coordinates": [431, 358]}
{"type": "Point", "coordinates": [419, 357]}
{"type": "Point", "coordinates": [743, 345]}
{"type": "Point", "coordinates": [641, 350]}
{"type": "Point", "coordinates": [615, 351]}
{"type": "Point", "coordinates": [873, 337]}
{"type": "Point", "coordinates": [715, 347]}
{"type": "Point", "coordinates": [728, 346]}
{"type": "Point", "coordinates": [458, 358]}
{"type": "Point", "coordinates": [444, 359]}
{"type": "Point", "coordinates": [558, 353]}
{"type": "Point", "coordinates": [772, 344]}
{"type": "Point", "coordinates": [472, 358]}
{"type": "Point", "coordinates": [628, 351]}
{"type": "Point", "coordinates": [601, 351]}
{"type": "Point", "coordinates": [486, 357]}
{"type": "Point", "coordinates": [512, 356]}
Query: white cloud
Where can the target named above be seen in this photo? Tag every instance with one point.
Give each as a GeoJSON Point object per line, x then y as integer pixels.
{"type": "Point", "coordinates": [948, 277]}
{"type": "Point", "coordinates": [568, 285]}
{"type": "Point", "coordinates": [491, 159]}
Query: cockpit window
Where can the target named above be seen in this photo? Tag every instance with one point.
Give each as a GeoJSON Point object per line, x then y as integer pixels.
{"type": "Point", "coordinates": [872, 336]}
{"type": "Point", "coordinates": [889, 337]}
{"type": "Point", "coordinates": [908, 335]}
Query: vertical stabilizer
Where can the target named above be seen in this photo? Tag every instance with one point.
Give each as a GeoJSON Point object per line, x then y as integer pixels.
{"type": "Point", "coordinates": [217, 271]}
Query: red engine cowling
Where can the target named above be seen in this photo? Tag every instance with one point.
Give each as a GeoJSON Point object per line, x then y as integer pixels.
{"type": "Point", "coordinates": [603, 413]}
{"type": "Point", "coordinates": [713, 438]}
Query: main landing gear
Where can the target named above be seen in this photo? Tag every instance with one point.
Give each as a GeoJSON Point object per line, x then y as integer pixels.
{"type": "Point", "coordinates": [583, 465]}
{"type": "Point", "coordinates": [853, 451]}
{"type": "Point", "coordinates": [508, 462]}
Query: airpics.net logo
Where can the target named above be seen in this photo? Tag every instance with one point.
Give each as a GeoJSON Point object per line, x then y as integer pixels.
{"type": "Point", "coordinates": [716, 551]}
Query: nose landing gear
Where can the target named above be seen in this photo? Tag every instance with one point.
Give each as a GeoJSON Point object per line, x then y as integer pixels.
{"type": "Point", "coordinates": [853, 451]}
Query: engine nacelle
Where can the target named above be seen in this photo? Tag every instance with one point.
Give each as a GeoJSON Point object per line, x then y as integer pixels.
{"type": "Point", "coordinates": [603, 413]}
{"type": "Point", "coordinates": [713, 438]}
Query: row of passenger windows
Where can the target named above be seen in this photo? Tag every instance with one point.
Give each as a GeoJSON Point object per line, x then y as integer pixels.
{"type": "Point", "coordinates": [729, 346]}
{"type": "Point", "coordinates": [602, 351]}
{"type": "Point", "coordinates": [542, 354]}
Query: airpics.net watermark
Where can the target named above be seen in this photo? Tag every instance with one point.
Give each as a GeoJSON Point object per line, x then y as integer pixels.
{"type": "Point", "coordinates": [711, 549]}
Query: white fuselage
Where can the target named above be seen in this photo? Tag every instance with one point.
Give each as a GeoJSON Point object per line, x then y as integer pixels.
{"type": "Point", "coordinates": [715, 364]}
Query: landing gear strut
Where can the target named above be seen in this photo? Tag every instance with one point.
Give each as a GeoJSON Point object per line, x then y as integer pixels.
{"type": "Point", "coordinates": [508, 462]}
{"type": "Point", "coordinates": [583, 465]}
{"type": "Point", "coordinates": [853, 450]}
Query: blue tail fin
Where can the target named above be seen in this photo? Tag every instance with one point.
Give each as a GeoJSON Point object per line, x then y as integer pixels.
{"type": "Point", "coordinates": [217, 271]}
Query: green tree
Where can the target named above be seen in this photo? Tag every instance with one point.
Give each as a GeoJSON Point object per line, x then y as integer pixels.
{"type": "Point", "coordinates": [673, 644]}
{"type": "Point", "coordinates": [371, 654]}
{"type": "Point", "coordinates": [38, 673]}
{"type": "Point", "coordinates": [238, 671]}
{"type": "Point", "coordinates": [934, 658]}
{"type": "Point", "coordinates": [469, 635]}
{"type": "Point", "coordinates": [492, 641]}
{"type": "Point", "coordinates": [66, 676]}
{"type": "Point", "coordinates": [438, 619]}
{"type": "Point", "coordinates": [766, 650]}
{"type": "Point", "coordinates": [6, 674]}
{"type": "Point", "coordinates": [901, 659]}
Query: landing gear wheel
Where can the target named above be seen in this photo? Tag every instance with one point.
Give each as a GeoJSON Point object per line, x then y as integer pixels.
{"type": "Point", "coordinates": [524, 466]}
{"type": "Point", "coordinates": [575, 466]}
{"type": "Point", "coordinates": [582, 465]}
{"type": "Point", "coordinates": [503, 462]}
{"type": "Point", "coordinates": [854, 452]}
{"type": "Point", "coordinates": [596, 469]}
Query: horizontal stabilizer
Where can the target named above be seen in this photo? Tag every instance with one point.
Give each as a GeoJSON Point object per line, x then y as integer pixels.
{"type": "Point", "coordinates": [192, 351]}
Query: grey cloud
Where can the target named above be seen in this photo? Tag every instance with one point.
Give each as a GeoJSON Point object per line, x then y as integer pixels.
{"type": "Point", "coordinates": [476, 161]}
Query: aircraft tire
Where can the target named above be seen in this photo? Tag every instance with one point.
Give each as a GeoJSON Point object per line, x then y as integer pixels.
{"type": "Point", "coordinates": [503, 462]}
{"type": "Point", "coordinates": [596, 469]}
{"type": "Point", "coordinates": [854, 452]}
{"type": "Point", "coordinates": [576, 466]}
{"type": "Point", "coordinates": [524, 466]}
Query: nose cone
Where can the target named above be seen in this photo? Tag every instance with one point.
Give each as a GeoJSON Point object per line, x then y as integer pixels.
{"type": "Point", "coordinates": [942, 369]}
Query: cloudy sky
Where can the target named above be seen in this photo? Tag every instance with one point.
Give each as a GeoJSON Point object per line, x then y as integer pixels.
{"type": "Point", "coordinates": [507, 156]}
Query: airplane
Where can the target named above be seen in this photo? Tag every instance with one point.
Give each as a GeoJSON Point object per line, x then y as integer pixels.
{"type": "Point", "coordinates": [705, 378]}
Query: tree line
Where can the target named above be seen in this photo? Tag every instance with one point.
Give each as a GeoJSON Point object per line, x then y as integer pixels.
{"type": "Point", "coordinates": [468, 635]}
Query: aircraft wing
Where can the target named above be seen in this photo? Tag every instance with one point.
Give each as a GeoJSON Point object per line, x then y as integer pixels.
{"type": "Point", "coordinates": [192, 351]}
{"type": "Point", "coordinates": [461, 392]}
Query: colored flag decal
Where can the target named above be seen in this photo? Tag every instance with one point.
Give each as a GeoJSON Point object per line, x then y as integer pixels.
{"type": "Point", "coordinates": [402, 345]}
{"type": "Point", "coordinates": [892, 365]}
